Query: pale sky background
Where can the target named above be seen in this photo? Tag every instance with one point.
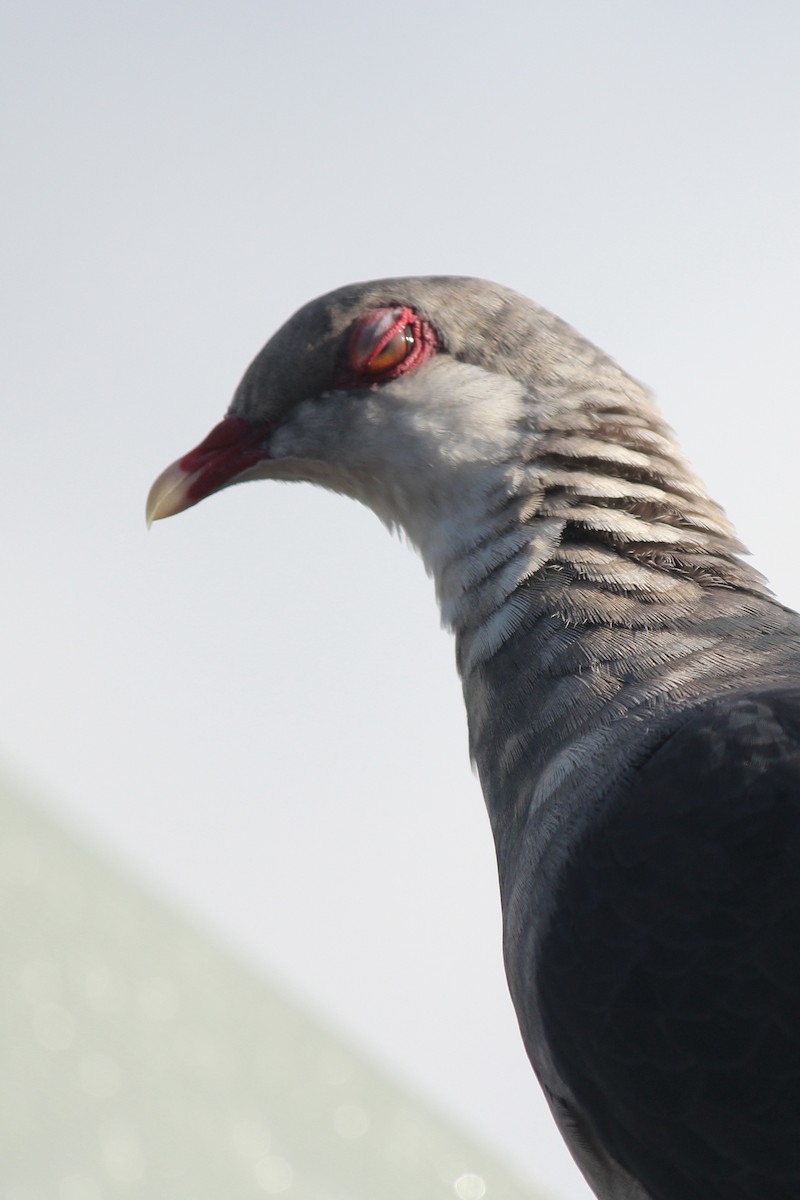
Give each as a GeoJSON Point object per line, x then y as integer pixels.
{"type": "Point", "coordinates": [252, 707]}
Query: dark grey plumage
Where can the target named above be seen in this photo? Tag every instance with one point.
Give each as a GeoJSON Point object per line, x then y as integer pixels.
{"type": "Point", "coordinates": [633, 695]}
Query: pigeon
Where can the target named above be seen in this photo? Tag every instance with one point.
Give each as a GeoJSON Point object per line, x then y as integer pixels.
{"type": "Point", "coordinates": [632, 690]}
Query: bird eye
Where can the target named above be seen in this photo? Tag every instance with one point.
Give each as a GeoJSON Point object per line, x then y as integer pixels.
{"type": "Point", "coordinates": [392, 352]}
{"type": "Point", "coordinates": [383, 344]}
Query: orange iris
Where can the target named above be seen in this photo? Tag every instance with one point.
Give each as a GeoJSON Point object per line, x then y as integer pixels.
{"type": "Point", "coordinates": [392, 353]}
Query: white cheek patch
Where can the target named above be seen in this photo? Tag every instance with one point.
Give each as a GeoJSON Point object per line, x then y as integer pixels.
{"type": "Point", "coordinates": [445, 440]}
{"type": "Point", "coordinates": [436, 454]}
{"type": "Point", "coordinates": [469, 414]}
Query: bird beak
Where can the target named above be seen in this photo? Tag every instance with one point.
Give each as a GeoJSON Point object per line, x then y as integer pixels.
{"type": "Point", "coordinates": [231, 448]}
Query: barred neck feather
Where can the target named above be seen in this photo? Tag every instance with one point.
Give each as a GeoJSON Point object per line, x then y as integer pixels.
{"type": "Point", "coordinates": [598, 522]}
{"type": "Point", "coordinates": [600, 589]}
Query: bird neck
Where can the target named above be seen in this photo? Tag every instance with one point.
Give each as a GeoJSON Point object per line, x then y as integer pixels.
{"type": "Point", "coordinates": [603, 529]}
{"type": "Point", "coordinates": [597, 586]}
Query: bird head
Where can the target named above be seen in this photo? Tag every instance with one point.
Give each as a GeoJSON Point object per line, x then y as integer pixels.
{"type": "Point", "coordinates": [410, 395]}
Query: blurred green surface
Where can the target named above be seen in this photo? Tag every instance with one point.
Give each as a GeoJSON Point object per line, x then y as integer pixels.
{"type": "Point", "coordinates": [137, 1059]}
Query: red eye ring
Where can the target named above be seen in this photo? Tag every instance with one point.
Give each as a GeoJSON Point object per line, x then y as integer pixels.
{"type": "Point", "coordinates": [383, 344]}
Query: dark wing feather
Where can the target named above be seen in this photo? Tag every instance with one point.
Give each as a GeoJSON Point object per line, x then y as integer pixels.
{"type": "Point", "coordinates": [670, 975]}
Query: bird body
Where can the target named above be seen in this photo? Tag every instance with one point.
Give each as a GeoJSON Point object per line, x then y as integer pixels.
{"type": "Point", "coordinates": [633, 698]}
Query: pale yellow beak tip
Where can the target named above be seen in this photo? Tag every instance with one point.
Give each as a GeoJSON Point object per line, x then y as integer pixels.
{"type": "Point", "coordinates": [169, 494]}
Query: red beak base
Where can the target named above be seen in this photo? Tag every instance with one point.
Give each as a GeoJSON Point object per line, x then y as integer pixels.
{"type": "Point", "coordinates": [230, 448]}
